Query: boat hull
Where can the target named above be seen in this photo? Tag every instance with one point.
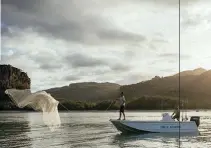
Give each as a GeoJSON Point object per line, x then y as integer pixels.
{"type": "Point", "coordinates": [126, 126]}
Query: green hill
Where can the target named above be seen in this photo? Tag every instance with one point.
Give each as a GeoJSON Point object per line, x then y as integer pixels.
{"type": "Point", "coordinates": [195, 88]}
{"type": "Point", "coordinates": [157, 93]}
{"type": "Point", "coordinates": [87, 91]}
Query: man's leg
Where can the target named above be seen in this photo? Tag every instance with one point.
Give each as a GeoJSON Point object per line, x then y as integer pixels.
{"type": "Point", "coordinates": [123, 111]}
{"type": "Point", "coordinates": [120, 113]}
{"type": "Point", "coordinates": [124, 115]}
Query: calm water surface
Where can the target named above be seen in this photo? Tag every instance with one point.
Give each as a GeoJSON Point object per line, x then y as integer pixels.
{"type": "Point", "coordinates": [93, 130]}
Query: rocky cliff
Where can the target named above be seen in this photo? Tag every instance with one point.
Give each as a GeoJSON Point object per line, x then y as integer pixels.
{"type": "Point", "coordinates": [11, 77]}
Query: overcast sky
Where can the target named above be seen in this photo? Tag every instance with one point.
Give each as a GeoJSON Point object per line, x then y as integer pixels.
{"type": "Point", "coordinates": [58, 42]}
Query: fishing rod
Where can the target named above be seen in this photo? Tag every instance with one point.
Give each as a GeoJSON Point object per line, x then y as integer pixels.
{"type": "Point", "coordinates": [64, 106]}
{"type": "Point", "coordinates": [110, 105]}
{"type": "Point", "coordinates": [69, 110]}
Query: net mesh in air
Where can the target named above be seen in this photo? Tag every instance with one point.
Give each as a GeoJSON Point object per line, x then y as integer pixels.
{"type": "Point", "coordinates": [39, 101]}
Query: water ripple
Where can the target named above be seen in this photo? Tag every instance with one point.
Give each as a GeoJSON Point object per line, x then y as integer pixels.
{"type": "Point", "coordinates": [81, 130]}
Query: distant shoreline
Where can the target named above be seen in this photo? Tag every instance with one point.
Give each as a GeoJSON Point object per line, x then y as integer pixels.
{"type": "Point", "coordinates": [188, 110]}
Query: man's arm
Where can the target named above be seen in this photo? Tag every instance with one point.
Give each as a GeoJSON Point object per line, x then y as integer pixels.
{"type": "Point", "coordinates": [116, 99]}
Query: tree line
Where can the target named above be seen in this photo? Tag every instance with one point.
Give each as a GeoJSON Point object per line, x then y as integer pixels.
{"type": "Point", "coordinates": [142, 103]}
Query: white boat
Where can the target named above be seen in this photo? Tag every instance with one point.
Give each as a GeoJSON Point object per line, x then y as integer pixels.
{"type": "Point", "coordinates": [163, 126]}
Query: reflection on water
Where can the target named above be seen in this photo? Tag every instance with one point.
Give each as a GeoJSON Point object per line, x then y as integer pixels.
{"type": "Point", "coordinates": [164, 138]}
{"type": "Point", "coordinates": [155, 135]}
{"type": "Point", "coordinates": [93, 129]}
{"type": "Point", "coordinates": [159, 140]}
{"type": "Point", "coordinates": [14, 134]}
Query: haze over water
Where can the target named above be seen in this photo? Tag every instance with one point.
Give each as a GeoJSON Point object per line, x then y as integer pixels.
{"type": "Point", "coordinates": [92, 130]}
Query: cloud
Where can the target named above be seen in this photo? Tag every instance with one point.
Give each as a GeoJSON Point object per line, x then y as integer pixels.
{"type": "Point", "coordinates": [123, 67]}
{"type": "Point", "coordinates": [133, 78]}
{"type": "Point", "coordinates": [49, 66]}
{"type": "Point", "coordinates": [168, 70]}
{"type": "Point", "coordinates": [117, 41]}
{"type": "Point", "coordinates": [169, 55]}
{"type": "Point", "coordinates": [196, 15]}
{"type": "Point", "coordinates": [75, 25]}
{"type": "Point", "coordinates": [115, 35]}
{"type": "Point", "coordinates": [5, 30]}
{"type": "Point", "coordinates": [46, 60]}
{"type": "Point", "coordinates": [174, 55]}
{"type": "Point", "coordinates": [85, 62]}
{"type": "Point", "coordinates": [79, 60]}
{"type": "Point", "coordinates": [174, 3]}
{"type": "Point", "coordinates": [71, 78]}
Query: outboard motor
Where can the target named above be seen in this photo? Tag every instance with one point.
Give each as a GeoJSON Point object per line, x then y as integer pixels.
{"type": "Point", "coordinates": [196, 119]}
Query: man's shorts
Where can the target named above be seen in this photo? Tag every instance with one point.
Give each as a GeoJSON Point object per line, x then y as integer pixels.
{"type": "Point", "coordinates": [122, 108]}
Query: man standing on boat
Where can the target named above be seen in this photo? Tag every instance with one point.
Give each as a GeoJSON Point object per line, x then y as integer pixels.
{"type": "Point", "coordinates": [122, 105]}
{"type": "Point", "coordinates": [176, 114]}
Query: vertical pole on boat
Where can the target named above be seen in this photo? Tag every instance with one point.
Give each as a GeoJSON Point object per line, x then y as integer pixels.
{"type": "Point", "coordinates": [182, 111]}
{"type": "Point", "coordinates": [186, 117]}
{"type": "Point", "coordinates": [179, 69]}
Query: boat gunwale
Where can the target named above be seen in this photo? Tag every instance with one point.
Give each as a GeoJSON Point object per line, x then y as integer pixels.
{"type": "Point", "coordinates": [122, 121]}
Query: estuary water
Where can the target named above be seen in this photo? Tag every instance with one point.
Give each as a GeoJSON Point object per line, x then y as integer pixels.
{"type": "Point", "coordinates": [93, 130]}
